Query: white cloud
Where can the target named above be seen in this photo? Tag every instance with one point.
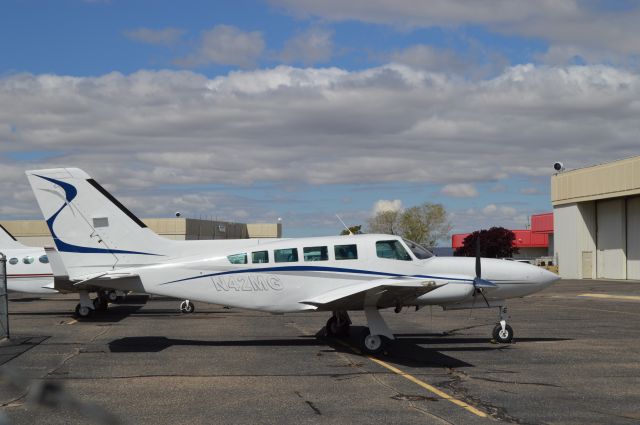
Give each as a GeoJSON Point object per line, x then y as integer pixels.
{"type": "Point", "coordinates": [473, 63]}
{"type": "Point", "coordinates": [390, 124]}
{"type": "Point", "coordinates": [562, 22]}
{"type": "Point", "coordinates": [384, 205]}
{"type": "Point", "coordinates": [226, 45]}
{"type": "Point", "coordinates": [460, 190]}
{"type": "Point", "coordinates": [165, 36]}
{"type": "Point", "coordinates": [493, 209]}
{"type": "Point", "coordinates": [490, 216]}
{"type": "Point", "coordinates": [310, 47]}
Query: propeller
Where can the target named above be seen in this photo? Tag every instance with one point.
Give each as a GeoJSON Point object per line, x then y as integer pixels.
{"type": "Point", "coordinates": [479, 284]}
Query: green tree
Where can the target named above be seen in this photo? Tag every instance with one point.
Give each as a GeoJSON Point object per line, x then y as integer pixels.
{"type": "Point", "coordinates": [497, 242]}
{"type": "Point", "coordinates": [425, 224]}
{"type": "Point", "coordinates": [356, 230]}
{"type": "Point", "coordinates": [385, 222]}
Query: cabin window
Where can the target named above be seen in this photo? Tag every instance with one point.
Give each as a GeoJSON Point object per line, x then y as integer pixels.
{"type": "Point", "coordinates": [418, 250]}
{"type": "Point", "coordinates": [316, 253]}
{"type": "Point", "coordinates": [13, 260]}
{"type": "Point", "coordinates": [259, 257]}
{"type": "Point", "coordinates": [287, 255]}
{"type": "Point", "coordinates": [392, 250]}
{"type": "Point", "coordinates": [28, 260]}
{"type": "Point", "coordinates": [346, 252]}
{"type": "Point", "coordinates": [44, 259]}
{"type": "Point", "coordinates": [238, 258]}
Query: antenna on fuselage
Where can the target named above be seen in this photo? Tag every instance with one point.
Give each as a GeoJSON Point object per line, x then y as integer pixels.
{"type": "Point", "coordinates": [345, 226]}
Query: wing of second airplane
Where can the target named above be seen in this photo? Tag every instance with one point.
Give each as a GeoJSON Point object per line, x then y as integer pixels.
{"type": "Point", "coordinates": [381, 292]}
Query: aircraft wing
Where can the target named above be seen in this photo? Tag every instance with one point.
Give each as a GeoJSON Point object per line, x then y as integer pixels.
{"type": "Point", "coordinates": [381, 292]}
{"type": "Point", "coordinates": [110, 280]}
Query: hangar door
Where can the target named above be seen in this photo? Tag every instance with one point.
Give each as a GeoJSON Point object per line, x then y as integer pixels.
{"type": "Point", "coordinates": [611, 239]}
{"type": "Point", "coordinates": [633, 238]}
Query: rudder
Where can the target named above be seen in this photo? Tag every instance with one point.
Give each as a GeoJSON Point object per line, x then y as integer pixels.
{"type": "Point", "coordinates": [91, 229]}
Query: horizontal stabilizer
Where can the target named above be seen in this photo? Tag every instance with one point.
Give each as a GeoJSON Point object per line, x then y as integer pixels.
{"type": "Point", "coordinates": [386, 292]}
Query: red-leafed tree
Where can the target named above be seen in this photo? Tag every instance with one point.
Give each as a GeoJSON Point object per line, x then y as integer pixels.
{"type": "Point", "coordinates": [496, 242]}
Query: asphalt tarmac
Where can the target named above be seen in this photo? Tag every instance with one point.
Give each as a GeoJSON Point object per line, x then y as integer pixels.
{"type": "Point", "coordinates": [575, 360]}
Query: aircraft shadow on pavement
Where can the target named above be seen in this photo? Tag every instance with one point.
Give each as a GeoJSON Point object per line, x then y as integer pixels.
{"type": "Point", "coordinates": [425, 350]}
{"type": "Point", "coordinates": [154, 344]}
{"type": "Point", "coordinates": [115, 313]}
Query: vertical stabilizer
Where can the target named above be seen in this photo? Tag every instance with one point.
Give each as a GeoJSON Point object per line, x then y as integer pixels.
{"type": "Point", "coordinates": [92, 231]}
{"type": "Point", "coordinates": [7, 240]}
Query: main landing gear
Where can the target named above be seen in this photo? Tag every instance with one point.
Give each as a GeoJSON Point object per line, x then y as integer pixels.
{"type": "Point", "coordinates": [372, 340]}
{"type": "Point", "coordinates": [338, 324]}
{"type": "Point", "coordinates": [502, 332]}
{"type": "Point", "coordinates": [86, 308]}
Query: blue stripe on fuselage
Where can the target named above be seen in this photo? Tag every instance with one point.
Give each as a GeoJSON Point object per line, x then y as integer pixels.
{"type": "Point", "coordinates": [315, 268]}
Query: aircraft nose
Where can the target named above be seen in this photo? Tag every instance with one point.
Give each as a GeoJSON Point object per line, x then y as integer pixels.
{"type": "Point", "coordinates": [546, 278]}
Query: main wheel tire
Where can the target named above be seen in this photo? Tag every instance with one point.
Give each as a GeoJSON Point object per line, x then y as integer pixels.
{"type": "Point", "coordinates": [333, 329]}
{"type": "Point", "coordinates": [100, 304]}
{"type": "Point", "coordinates": [503, 337]}
{"type": "Point", "coordinates": [83, 312]}
{"type": "Point", "coordinates": [112, 296]}
{"type": "Point", "coordinates": [372, 344]}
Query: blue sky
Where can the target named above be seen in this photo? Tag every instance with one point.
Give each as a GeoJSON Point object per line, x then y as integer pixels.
{"type": "Point", "coordinates": [254, 110]}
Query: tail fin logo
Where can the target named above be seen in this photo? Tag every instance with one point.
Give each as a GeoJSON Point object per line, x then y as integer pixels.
{"type": "Point", "coordinates": [71, 192]}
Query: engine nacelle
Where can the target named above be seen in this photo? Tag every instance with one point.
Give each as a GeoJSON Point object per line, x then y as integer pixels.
{"type": "Point", "coordinates": [450, 293]}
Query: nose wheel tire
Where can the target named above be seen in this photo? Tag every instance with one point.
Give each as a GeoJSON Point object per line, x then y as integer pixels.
{"type": "Point", "coordinates": [83, 312]}
{"type": "Point", "coordinates": [372, 344]}
{"type": "Point", "coordinates": [187, 307]}
{"type": "Point", "coordinates": [503, 336]}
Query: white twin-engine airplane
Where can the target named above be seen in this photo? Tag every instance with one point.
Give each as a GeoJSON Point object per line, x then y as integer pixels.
{"type": "Point", "coordinates": [103, 244]}
{"type": "Point", "coordinates": [28, 268]}
{"type": "Point", "coordinates": [36, 270]}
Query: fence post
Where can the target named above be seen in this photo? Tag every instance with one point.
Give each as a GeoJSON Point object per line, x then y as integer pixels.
{"type": "Point", "coordinates": [4, 299]}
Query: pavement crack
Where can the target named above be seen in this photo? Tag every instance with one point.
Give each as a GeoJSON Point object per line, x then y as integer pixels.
{"type": "Point", "coordinates": [541, 384]}
{"type": "Point", "coordinates": [455, 385]}
{"type": "Point", "coordinates": [55, 370]}
{"type": "Point", "coordinates": [309, 403]}
{"type": "Point", "coordinates": [104, 331]}
{"type": "Point", "coordinates": [16, 401]}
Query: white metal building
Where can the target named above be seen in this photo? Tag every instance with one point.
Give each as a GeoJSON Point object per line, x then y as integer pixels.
{"type": "Point", "coordinates": [597, 221]}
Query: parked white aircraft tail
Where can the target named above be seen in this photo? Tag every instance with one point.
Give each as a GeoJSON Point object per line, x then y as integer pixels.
{"type": "Point", "coordinates": [104, 245]}
{"type": "Point", "coordinates": [28, 267]}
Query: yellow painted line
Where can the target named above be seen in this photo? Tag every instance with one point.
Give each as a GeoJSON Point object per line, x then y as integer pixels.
{"type": "Point", "coordinates": [420, 383]}
{"type": "Point", "coordinates": [612, 297]}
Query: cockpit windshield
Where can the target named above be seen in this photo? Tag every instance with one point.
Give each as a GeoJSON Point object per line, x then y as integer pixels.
{"type": "Point", "coordinates": [419, 251]}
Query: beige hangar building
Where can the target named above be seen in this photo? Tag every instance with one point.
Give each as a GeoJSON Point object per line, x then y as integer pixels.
{"type": "Point", "coordinates": [596, 213]}
{"type": "Point", "coordinates": [36, 232]}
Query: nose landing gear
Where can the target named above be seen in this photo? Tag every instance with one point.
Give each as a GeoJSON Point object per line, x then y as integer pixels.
{"type": "Point", "coordinates": [503, 333]}
{"type": "Point", "coordinates": [187, 307]}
